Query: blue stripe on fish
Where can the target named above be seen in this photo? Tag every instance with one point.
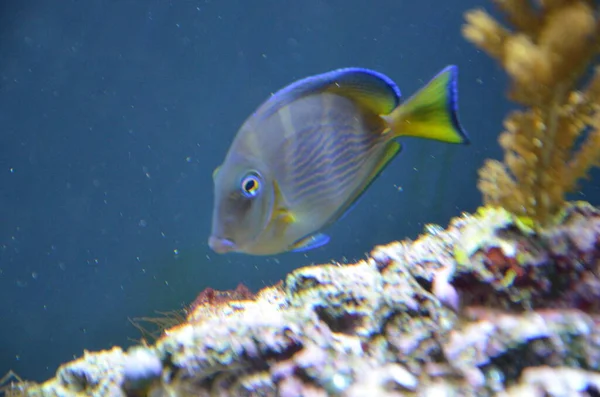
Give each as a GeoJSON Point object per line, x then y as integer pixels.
{"type": "Point", "coordinates": [452, 102]}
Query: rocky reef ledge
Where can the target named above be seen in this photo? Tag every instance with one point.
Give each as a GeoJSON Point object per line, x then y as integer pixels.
{"type": "Point", "coordinates": [485, 307]}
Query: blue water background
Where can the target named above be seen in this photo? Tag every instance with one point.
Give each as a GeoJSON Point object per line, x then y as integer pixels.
{"type": "Point", "coordinates": [113, 115]}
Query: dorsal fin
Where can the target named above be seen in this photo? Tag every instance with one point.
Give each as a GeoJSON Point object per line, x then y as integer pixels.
{"type": "Point", "coordinates": [372, 90]}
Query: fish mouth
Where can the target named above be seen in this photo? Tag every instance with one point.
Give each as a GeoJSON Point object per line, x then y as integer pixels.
{"type": "Point", "coordinates": [221, 245]}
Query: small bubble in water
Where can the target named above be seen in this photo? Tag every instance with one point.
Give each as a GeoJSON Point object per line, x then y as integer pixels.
{"type": "Point", "coordinates": [34, 275]}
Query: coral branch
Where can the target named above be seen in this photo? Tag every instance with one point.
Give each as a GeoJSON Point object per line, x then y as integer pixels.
{"type": "Point", "coordinates": [546, 51]}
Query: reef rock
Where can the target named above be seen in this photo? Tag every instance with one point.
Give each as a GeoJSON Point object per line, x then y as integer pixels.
{"type": "Point", "coordinates": [486, 307]}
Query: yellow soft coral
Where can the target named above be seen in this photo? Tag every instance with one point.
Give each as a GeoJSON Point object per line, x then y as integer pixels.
{"type": "Point", "coordinates": [546, 50]}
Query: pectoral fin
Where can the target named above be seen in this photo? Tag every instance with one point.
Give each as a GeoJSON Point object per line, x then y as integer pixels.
{"type": "Point", "coordinates": [285, 217]}
{"type": "Point", "coordinates": [282, 217]}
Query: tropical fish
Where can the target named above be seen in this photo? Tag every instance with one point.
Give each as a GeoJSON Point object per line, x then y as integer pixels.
{"type": "Point", "coordinates": [304, 157]}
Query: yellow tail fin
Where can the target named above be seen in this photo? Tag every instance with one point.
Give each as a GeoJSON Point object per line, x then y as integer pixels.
{"type": "Point", "coordinates": [431, 113]}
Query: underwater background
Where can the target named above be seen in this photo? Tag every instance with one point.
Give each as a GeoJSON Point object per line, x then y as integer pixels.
{"type": "Point", "coordinates": [113, 116]}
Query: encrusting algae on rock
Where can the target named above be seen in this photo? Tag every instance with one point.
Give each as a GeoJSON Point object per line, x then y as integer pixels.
{"type": "Point", "coordinates": [494, 305]}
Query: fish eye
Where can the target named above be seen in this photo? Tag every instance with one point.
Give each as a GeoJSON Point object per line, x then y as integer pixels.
{"type": "Point", "coordinates": [251, 185]}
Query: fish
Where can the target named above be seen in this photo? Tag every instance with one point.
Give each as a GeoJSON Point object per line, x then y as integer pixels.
{"type": "Point", "coordinates": [309, 152]}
